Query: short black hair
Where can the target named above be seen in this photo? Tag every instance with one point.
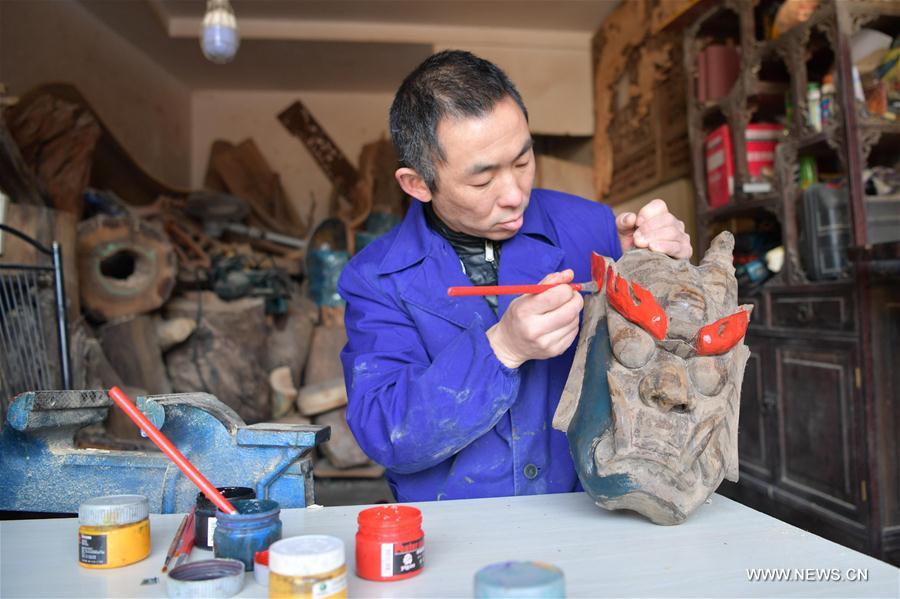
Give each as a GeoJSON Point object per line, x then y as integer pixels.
{"type": "Point", "coordinates": [451, 83]}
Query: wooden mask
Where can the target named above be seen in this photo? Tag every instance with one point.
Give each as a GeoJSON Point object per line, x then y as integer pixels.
{"type": "Point", "coordinates": [651, 404]}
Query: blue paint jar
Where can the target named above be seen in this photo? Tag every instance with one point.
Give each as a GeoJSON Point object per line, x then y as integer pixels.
{"type": "Point", "coordinates": [256, 526]}
{"type": "Point", "coordinates": [205, 514]}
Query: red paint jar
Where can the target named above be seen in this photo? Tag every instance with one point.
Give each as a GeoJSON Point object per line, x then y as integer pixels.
{"type": "Point", "coordinates": [390, 544]}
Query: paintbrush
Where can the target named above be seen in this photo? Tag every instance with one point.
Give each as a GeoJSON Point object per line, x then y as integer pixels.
{"type": "Point", "coordinates": [187, 544]}
{"type": "Point", "coordinates": [479, 290]}
{"type": "Point", "coordinates": [173, 546]}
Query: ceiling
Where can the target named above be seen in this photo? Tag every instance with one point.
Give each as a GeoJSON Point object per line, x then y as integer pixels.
{"type": "Point", "coordinates": [341, 45]}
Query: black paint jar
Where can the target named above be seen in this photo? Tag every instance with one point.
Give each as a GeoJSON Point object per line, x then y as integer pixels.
{"type": "Point", "coordinates": [205, 515]}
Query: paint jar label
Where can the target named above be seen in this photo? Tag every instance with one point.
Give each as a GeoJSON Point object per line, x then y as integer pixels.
{"type": "Point", "coordinates": [92, 549]}
{"type": "Point", "coordinates": [402, 558]}
{"type": "Point", "coordinates": [210, 529]}
{"type": "Point", "coordinates": [330, 587]}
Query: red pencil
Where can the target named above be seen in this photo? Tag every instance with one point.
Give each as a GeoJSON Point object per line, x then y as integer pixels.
{"type": "Point", "coordinates": [479, 290]}
{"type": "Point", "coordinates": [124, 402]}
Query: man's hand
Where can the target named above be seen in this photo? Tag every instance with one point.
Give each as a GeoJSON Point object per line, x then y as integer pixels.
{"type": "Point", "coordinates": [656, 228]}
{"type": "Point", "coordinates": [538, 326]}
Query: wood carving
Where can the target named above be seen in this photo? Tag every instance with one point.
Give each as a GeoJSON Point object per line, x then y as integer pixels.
{"type": "Point", "coordinates": [651, 405]}
{"type": "Point", "coordinates": [297, 119]}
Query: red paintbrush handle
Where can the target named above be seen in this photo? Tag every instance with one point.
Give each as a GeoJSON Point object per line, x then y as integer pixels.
{"type": "Point", "coordinates": [504, 289]}
{"type": "Point", "coordinates": [170, 450]}
{"type": "Point", "coordinates": [187, 542]}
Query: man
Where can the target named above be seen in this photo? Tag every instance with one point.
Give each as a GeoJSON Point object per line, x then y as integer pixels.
{"type": "Point", "coordinates": [454, 396]}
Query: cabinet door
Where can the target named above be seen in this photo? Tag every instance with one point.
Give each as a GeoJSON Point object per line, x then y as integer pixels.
{"type": "Point", "coordinates": [821, 450]}
{"type": "Point", "coordinates": [757, 403]}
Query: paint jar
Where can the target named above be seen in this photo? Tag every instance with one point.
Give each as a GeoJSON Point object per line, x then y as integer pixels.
{"type": "Point", "coordinates": [205, 514]}
{"type": "Point", "coordinates": [308, 567]}
{"type": "Point", "coordinates": [114, 531]}
{"type": "Point", "coordinates": [520, 579]}
{"type": "Point", "coordinates": [261, 567]}
{"type": "Point", "coordinates": [239, 536]}
{"type": "Point", "coordinates": [390, 544]}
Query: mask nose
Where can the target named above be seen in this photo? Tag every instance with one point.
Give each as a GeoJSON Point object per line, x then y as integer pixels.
{"type": "Point", "coordinates": [666, 389]}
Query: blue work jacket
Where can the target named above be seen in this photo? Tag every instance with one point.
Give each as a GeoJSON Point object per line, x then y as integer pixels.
{"type": "Point", "coordinates": [427, 397]}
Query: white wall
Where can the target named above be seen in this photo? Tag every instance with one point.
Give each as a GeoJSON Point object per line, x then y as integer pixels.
{"type": "Point", "coordinates": [145, 108]}
{"type": "Point", "coordinates": [351, 119]}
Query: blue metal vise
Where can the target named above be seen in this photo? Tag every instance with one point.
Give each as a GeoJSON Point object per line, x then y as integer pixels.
{"type": "Point", "coordinates": [42, 471]}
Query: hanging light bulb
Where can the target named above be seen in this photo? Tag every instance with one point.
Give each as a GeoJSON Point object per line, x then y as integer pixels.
{"type": "Point", "coordinates": [219, 38]}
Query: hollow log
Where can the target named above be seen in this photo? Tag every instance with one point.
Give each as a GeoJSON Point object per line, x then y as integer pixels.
{"type": "Point", "coordinates": [126, 266]}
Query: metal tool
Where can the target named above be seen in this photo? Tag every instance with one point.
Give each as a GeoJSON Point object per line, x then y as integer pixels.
{"type": "Point", "coordinates": [43, 471]}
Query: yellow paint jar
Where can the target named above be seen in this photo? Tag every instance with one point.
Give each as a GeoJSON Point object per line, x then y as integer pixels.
{"type": "Point", "coordinates": [114, 531]}
{"type": "Point", "coordinates": [308, 567]}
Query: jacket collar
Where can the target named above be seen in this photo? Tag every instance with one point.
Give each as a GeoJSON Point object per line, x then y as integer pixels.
{"type": "Point", "coordinates": [434, 266]}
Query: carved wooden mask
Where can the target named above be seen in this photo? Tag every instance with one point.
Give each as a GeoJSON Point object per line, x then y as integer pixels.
{"type": "Point", "coordinates": [651, 404]}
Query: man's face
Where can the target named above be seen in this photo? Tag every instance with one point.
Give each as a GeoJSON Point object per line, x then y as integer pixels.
{"type": "Point", "coordinates": [484, 183]}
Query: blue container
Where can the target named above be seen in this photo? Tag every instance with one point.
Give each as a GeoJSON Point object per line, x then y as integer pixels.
{"type": "Point", "coordinates": [255, 527]}
{"type": "Point", "coordinates": [520, 580]}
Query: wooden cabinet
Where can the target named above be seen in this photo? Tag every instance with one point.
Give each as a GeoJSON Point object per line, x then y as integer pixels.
{"type": "Point", "coordinates": [820, 404]}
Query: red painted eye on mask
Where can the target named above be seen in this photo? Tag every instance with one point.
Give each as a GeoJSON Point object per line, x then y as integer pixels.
{"type": "Point", "coordinates": [720, 336]}
{"type": "Point", "coordinates": [646, 312]}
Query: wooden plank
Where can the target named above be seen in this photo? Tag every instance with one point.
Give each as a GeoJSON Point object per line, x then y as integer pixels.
{"type": "Point", "coordinates": [246, 174]}
{"type": "Point", "coordinates": [324, 361]}
{"type": "Point", "coordinates": [341, 450]}
{"type": "Point", "coordinates": [322, 397]}
{"type": "Point", "coordinates": [284, 394]}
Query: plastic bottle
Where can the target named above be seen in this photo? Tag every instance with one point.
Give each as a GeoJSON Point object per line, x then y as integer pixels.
{"type": "Point", "coordinates": [827, 101]}
{"type": "Point", "coordinates": [813, 106]}
{"type": "Point", "coordinates": [308, 567]}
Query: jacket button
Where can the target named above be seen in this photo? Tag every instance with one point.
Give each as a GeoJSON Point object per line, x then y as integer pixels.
{"type": "Point", "coordinates": [531, 471]}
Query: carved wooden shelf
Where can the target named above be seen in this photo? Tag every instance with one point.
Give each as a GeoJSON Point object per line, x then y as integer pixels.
{"type": "Point", "coordinates": [820, 411]}
{"type": "Point", "coordinates": [741, 204]}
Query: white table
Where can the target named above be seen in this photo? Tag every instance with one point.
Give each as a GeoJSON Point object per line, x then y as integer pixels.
{"type": "Point", "coordinates": [603, 554]}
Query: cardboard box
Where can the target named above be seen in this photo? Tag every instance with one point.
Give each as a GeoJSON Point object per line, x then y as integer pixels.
{"type": "Point", "coordinates": [762, 138]}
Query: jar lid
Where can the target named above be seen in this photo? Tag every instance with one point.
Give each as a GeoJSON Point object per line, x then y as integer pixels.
{"type": "Point", "coordinates": [519, 579]}
{"type": "Point", "coordinates": [390, 516]}
{"type": "Point", "coordinates": [306, 555]}
{"type": "Point", "coordinates": [112, 510]}
{"type": "Point", "coordinates": [214, 578]}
